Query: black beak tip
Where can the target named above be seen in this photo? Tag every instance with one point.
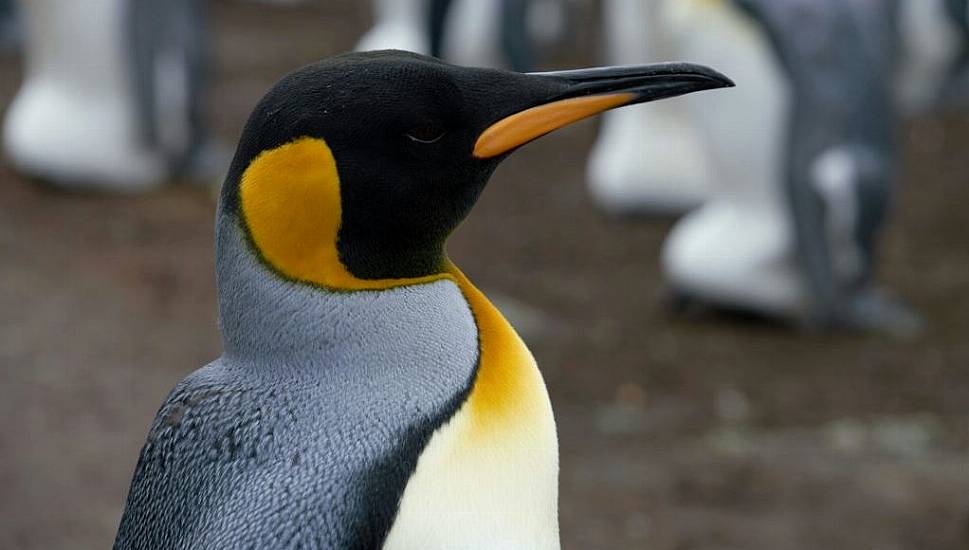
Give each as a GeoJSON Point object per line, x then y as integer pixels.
{"type": "Point", "coordinates": [714, 78]}
{"type": "Point", "coordinates": [723, 81]}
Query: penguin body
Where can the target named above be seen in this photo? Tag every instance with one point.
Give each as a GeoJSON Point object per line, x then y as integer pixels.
{"type": "Point", "coordinates": [840, 169]}
{"type": "Point", "coordinates": [369, 396]}
{"type": "Point", "coordinates": [126, 74]}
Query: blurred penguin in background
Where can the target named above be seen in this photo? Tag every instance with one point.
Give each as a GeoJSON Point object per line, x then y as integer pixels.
{"type": "Point", "coordinates": [648, 159]}
{"type": "Point", "coordinates": [800, 242]}
{"type": "Point", "coordinates": [128, 76]}
{"type": "Point", "coordinates": [928, 43]}
{"type": "Point", "coordinates": [485, 33]}
{"type": "Point", "coordinates": [933, 54]}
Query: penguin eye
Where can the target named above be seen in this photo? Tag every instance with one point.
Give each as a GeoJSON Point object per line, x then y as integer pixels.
{"type": "Point", "coordinates": [425, 134]}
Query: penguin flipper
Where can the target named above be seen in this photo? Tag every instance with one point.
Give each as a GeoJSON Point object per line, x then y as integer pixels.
{"type": "Point", "coordinates": [230, 464]}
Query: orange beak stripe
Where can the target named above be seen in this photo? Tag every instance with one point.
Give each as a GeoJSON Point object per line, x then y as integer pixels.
{"type": "Point", "coordinates": [522, 127]}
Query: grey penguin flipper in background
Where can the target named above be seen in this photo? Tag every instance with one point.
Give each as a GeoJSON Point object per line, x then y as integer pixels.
{"type": "Point", "coordinates": [958, 11]}
{"type": "Point", "coordinates": [369, 395]}
{"type": "Point", "coordinates": [840, 167]}
{"type": "Point", "coordinates": [437, 21]}
{"type": "Point", "coordinates": [515, 39]}
{"type": "Point", "coordinates": [955, 89]}
{"type": "Point", "coordinates": [168, 59]}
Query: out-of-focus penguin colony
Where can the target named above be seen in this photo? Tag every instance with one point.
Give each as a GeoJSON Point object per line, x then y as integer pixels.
{"type": "Point", "coordinates": [777, 358]}
{"type": "Point", "coordinates": [784, 186]}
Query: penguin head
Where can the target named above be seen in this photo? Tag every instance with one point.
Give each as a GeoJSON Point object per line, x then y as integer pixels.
{"type": "Point", "coordinates": [352, 172]}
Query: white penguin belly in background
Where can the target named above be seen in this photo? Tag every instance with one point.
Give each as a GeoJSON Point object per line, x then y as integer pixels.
{"type": "Point", "coordinates": [737, 249]}
{"type": "Point", "coordinates": [110, 95]}
{"type": "Point", "coordinates": [73, 118]}
{"type": "Point", "coordinates": [400, 25]}
{"type": "Point", "coordinates": [648, 158]}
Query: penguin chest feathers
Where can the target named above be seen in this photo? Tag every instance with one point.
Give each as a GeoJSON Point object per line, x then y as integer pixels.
{"type": "Point", "coordinates": [488, 477]}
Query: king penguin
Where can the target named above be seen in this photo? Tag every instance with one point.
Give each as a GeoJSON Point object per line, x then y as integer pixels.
{"type": "Point", "coordinates": [369, 396]}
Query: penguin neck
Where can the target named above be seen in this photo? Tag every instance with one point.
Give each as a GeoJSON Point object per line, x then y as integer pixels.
{"type": "Point", "coordinates": [263, 313]}
{"type": "Point", "coordinates": [267, 319]}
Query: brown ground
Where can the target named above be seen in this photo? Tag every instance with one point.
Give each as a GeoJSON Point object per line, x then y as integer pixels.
{"type": "Point", "coordinates": [675, 434]}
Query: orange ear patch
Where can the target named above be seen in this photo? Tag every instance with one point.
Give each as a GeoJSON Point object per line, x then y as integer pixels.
{"type": "Point", "coordinates": [290, 202]}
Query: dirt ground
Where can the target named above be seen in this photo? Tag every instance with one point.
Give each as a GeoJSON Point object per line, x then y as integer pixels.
{"type": "Point", "coordinates": [676, 434]}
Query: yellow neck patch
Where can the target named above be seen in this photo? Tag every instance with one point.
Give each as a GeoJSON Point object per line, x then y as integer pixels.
{"type": "Point", "coordinates": [290, 202]}
{"type": "Point", "coordinates": [509, 390]}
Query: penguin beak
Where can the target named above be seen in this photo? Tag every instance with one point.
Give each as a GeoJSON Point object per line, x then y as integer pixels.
{"type": "Point", "coordinates": [587, 92]}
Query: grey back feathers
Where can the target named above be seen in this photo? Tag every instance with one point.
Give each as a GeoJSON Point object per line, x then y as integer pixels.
{"type": "Point", "coordinates": [304, 434]}
{"type": "Point", "coordinates": [955, 90]}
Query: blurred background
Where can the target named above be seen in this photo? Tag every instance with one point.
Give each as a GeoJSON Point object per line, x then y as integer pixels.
{"type": "Point", "coordinates": [681, 426]}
